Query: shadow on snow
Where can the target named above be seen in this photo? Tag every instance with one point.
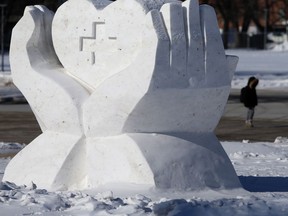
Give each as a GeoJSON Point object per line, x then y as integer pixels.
{"type": "Point", "coordinates": [264, 184]}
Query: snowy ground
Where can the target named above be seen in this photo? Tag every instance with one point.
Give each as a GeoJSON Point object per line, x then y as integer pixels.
{"type": "Point", "coordinates": [270, 67]}
{"type": "Point", "coordinates": [262, 169]}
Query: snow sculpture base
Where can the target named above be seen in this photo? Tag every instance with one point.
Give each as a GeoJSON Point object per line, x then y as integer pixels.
{"type": "Point", "coordinates": [128, 92]}
{"type": "Point", "coordinates": [181, 161]}
{"type": "Point", "coordinates": [136, 158]}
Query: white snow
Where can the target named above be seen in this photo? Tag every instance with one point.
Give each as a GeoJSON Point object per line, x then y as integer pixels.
{"type": "Point", "coordinates": [270, 67]}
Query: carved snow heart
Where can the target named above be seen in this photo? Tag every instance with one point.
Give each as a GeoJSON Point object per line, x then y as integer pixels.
{"type": "Point", "coordinates": [96, 39]}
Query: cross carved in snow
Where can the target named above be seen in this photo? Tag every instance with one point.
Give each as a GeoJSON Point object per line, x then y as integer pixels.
{"type": "Point", "coordinates": [98, 42]}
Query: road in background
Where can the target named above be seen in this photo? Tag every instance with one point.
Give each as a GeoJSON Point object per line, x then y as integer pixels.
{"type": "Point", "coordinates": [270, 120]}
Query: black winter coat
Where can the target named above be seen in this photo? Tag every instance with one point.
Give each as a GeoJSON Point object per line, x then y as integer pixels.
{"type": "Point", "coordinates": [249, 97]}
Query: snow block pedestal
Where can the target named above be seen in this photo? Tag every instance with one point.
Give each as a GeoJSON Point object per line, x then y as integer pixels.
{"type": "Point", "coordinates": [125, 92]}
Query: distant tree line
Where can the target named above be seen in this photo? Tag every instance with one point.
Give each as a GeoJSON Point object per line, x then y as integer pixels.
{"type": "Point", "coordinates": [239, 15]}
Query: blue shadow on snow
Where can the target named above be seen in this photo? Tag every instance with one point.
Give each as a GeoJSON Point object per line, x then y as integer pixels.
{"type": "Point", "coordinates": [264, 184]}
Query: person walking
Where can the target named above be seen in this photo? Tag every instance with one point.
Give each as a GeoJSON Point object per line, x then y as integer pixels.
{"type": "Point", "coordinates": [250, 99]}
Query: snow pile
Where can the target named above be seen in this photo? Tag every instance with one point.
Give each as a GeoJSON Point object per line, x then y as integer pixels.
{"type": "Point", "coordinates": [280, 140]}
{"type": "Point", "coordinates": [76, 203]}
{"type": "Point", "coordinates": [8, 92]}
{"type": "Point", "coordinates": [238, 206]}
{"type": "Point", "coordinates": [39, 201]}
{"type": "Point", "coordinates": [282, 46]}
{"type": "Point", "coordinates": [5, 79]}
{"type": "Point", "coordinates": [10, 148]}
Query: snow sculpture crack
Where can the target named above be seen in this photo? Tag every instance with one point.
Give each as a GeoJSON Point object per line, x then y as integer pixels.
{"type": "Point", "coordinates": [143, 112]}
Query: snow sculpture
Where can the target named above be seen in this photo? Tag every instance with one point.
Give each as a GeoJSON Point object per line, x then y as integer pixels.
{"type": "Point", "coordinates": [126, 91]}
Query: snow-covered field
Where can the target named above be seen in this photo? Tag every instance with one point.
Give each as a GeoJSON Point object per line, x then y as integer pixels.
{"type": "Point", "coordinates": [270, 67]}
{"type": "Point", "coordinates": [262, 169]}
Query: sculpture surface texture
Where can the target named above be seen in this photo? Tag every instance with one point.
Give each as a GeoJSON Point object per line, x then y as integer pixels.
{"type": "Point", "coordinates": [127, 91]}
